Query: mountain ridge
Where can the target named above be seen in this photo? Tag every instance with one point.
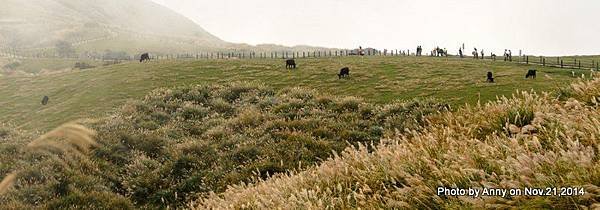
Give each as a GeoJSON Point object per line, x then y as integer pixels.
{"type": "Point", "coordinates": [41, 23]}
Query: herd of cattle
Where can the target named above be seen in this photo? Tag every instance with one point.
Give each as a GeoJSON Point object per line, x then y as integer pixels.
{"type": "Point", "coordinates": [345, 71]}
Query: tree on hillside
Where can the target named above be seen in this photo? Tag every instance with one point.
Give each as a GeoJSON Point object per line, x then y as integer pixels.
{"type": "Point", "coordinates": [64, 49]}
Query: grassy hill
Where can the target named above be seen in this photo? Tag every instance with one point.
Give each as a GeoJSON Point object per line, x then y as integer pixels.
{"type": "Point", "coordinates": [41, 23]}
{"type": "Point", "coordinates": [179, 144]}
{"type": "Point", "coordinates": [530, 140]}
{"type": "Point", "coordinates": [97, 92]}
{"type": "Point", "coordinates": [163, 150]}
{"type": "Point", "coordinates": [171, 132]}
{"type": "Point", "coordinates": [34, 27]}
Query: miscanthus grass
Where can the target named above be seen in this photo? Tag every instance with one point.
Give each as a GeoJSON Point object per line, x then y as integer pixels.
{"type": "Point", "coordinates": [527, 140]}
{"type": "Point", "coordinates": [64, 147]}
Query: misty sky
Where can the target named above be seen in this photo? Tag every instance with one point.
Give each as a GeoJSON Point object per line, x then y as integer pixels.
{"type": "Point", "coordinates": [549, 27]}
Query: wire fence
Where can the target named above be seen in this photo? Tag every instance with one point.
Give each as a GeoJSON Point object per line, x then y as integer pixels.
{"type": "Point", "coordinates": [556, 62]}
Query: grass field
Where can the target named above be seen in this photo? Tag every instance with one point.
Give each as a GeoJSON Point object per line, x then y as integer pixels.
{"type": "Point", "coordinates": [44, 65]}
{"type": "Point", "coordinates": [96, 92]}
{"type": "Point", "coordinates": [215, 146]}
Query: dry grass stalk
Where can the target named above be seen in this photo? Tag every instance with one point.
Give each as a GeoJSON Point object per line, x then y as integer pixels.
{"type": "Point", "coordinates": [69, 139]}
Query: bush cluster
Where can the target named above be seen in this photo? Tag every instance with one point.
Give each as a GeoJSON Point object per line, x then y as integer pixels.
{"type": "Point", "coordinates": [176, 144]}
{"type": "Point", "coordinates": [530, 140]}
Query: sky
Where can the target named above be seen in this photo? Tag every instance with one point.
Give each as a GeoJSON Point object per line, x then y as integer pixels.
{"type": "Point", "coordinates": [537, 27]}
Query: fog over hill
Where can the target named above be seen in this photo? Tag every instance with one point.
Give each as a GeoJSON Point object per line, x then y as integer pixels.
{"type": "Point", "coordinates": [30, 27]}
{"type": "Point", "coordinates": [41, 23]}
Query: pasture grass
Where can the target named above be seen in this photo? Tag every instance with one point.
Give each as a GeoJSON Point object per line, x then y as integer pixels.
{"type": "Point", "coordinates": [528, 140]}
{"type": "Point", "coordinates": [42, 65]}
{"type": "Point", "coordinates": [160, 152]}
{"type": "Point", "coordinates": [97, 92]}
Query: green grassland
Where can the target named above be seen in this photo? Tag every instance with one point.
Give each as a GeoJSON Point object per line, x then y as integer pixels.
{"type": "Point", "coordinates": [96, 92]}
{"type": "Point", "coordinates": [43, 65]}
{"type": "Point", "coordinates": [190, 133]}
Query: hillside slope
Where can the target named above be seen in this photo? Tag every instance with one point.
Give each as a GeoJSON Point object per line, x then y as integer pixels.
{"type": "Point", "coordinates": [530, 140]}
{"type": "Point", "coordinates": [161, 151]}
{"type": "Point", "coordinates": [41, 23]}
{"type": "Point", "coordinates": [93, 93]}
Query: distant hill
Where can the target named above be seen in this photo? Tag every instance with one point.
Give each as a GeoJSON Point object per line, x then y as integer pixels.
{"type": "Point", "coordinates": [33, 26]}
{"type": "Point", "coordinates": [42, 23]}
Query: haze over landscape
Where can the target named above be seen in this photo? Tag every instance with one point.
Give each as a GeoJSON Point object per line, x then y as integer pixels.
{"type": "Point", "coordinates": [129, 104]}
{"type": "Point", "coordinates": [540, 27]}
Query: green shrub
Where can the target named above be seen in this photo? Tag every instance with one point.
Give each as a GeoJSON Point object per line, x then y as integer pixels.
{"type": "Point", "coordinates": [91, 200]}
{"type": "Point", "coordinates": [177, 144]}
{"type": "Point", "coordinates": [151, 145]}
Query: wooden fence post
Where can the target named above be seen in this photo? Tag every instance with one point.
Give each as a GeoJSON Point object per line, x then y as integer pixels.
{"type": "Point", "coordinates": [580, 64]}
{"type": "Point", "coordinates": [561, 64]}
{"type": "Point", "coordinates": [543, 61]}
{"type": "Point", "coordinates": [527, 60]}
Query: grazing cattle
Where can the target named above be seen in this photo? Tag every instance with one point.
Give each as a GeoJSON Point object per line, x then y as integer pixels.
{"type": "Point", "coordinates": [490, 77]}
{"type": "Point", "coordinates": [144, 57]}
{"type": "Point", "coordinates": [531, 73]}
{"type": "Point", "coordinates": [290, 64]}
{"type": "Point", "coordinates": [344, 72]}
{"type": "Point", "coordinates": [475, 54]}
{"type": "Point", "coordinates": [493, 56]}
{"type": "Point", "coordinates": [45, 100]}
{"type": "Point", "coordinates": [441, 52]}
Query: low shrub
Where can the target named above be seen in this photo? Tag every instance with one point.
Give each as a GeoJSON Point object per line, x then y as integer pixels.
{"type": "Point", "coordinates": [550, 143]}
{"type": "Point", "coordinates": [164, 150]}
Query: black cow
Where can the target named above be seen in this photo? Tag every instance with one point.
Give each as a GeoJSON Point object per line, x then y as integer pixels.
{"type": "Point", "coordinates": [290, 64]}
{"type": "Point", "coordinates": [490, 77]}
{"type": "Point", "coordinates": [144, 57]}
{"type": "Point", "coordinates": [45, 100]}
{"type": "Point", "coordinates": [531, 73]}
{"type": "Point", "coordinates": [344, 72]}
